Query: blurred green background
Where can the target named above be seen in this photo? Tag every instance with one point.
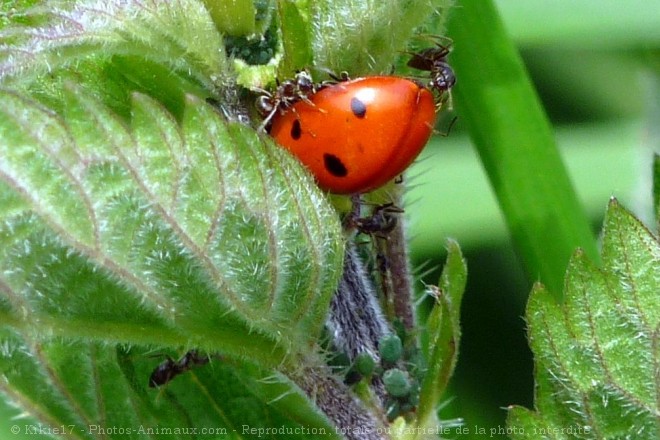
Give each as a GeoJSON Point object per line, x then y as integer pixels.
{"type": "Point", "coordinates": [595, 65]}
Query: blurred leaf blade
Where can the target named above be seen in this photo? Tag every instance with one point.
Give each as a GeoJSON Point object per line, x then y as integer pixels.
{"type": "Point", "coordinates": [584, 23]}
{"type": "Point", "coordinates": [516, 145]}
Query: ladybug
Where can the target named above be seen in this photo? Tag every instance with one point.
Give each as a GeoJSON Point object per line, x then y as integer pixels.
{"type": "Point", "coordinates": [434, 60]}
{"type": "Point", "coordinates": [357, 135]}
{"type": "Point", "coordinates": [285, 95]}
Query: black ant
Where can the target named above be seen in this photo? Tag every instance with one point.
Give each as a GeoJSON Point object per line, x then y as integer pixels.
{"type": "Point", "coordinates": [382, 220]}
{"type": "Point", "coordinates": [434, 60]}
{"type": "Point", "coordinates": [169, 369]}
{"type": "Point", "coordinates": [287, 93]}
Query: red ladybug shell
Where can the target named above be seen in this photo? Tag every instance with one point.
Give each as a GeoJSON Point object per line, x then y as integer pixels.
{"type": "Point", "coordinates": [357, 135]}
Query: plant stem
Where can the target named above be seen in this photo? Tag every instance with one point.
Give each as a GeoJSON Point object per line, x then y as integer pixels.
{"type": "Point", "coordinates": [356, 320]}
{"type": "Point", "coordinates": [336, 400]}
{"type": "Point", "coordinates": [398, 266]}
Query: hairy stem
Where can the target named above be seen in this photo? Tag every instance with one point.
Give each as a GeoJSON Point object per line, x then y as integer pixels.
{"type": "Point", "coordinates": [336, 400]}
{"type": "Point", "coordinates": [356, 320]}
{"type": "Point", "coordinates": [397, 275]}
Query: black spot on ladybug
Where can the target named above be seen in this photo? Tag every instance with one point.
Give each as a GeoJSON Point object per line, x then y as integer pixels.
{"type": "Point", "coordinates": [334, 165]}
{"type": "Point", "coordinates": [296, 130]}
{"type": "Point", "coordinates": [358, 108]}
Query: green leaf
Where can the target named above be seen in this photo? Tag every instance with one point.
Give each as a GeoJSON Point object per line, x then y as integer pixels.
{"type": "Point", "coordinates": [232, 18]}
{"type": "Point", "coordinates": [656, 186]}
{"type": "Point", "coordinates": [597, 354]}
{"type": "Point", "coordinates": [196, 233]}
{"type": "Point", "coordinates": [180, 35]}
{"type": "Point", "coordinates": [94, 389]}
{"type": "Point", "coordinates": [499, 106]}
{"type": "Point", "coordinates": [199, 233]}
{"type": "Point", "coordinates": [358, 37]}
{"type": "Point", "coordinates": [443, 334]}
{"type": "Point", "coordinates": [296, 38]}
